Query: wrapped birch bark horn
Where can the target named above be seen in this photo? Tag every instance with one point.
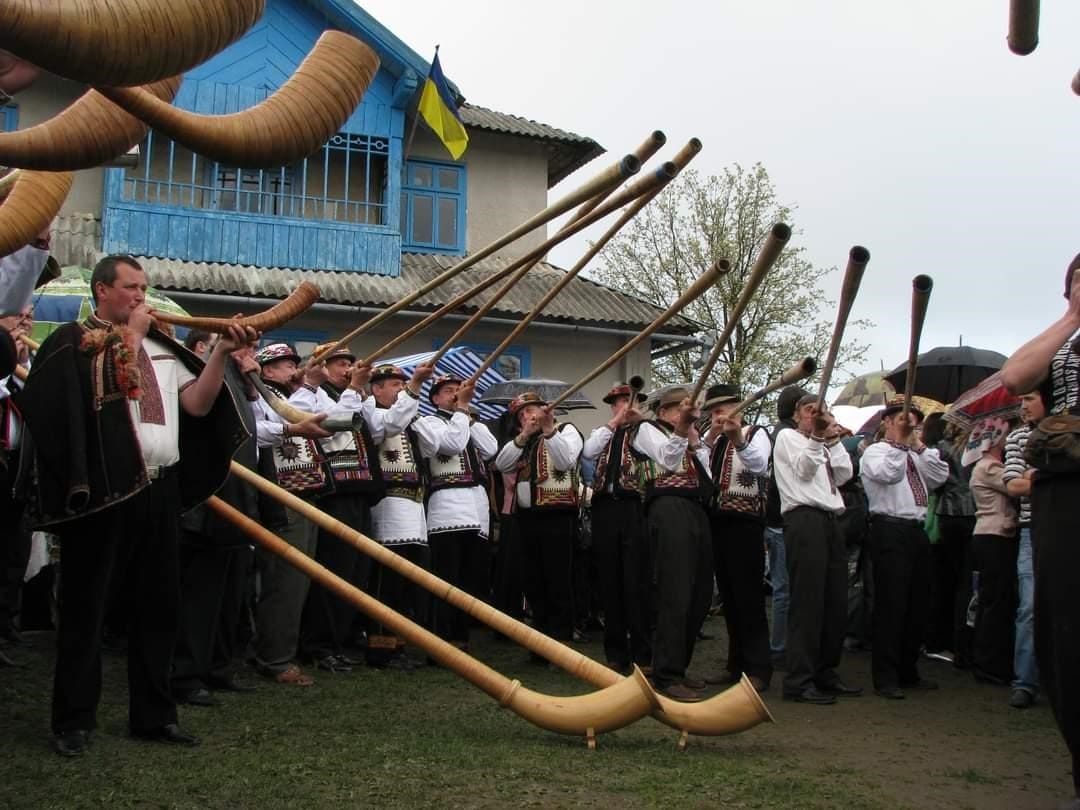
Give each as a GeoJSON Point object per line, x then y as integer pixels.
{"type": "Point", "coordinates": [298, 302]}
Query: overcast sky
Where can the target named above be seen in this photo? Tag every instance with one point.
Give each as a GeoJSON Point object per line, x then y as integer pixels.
{"type": "Point", "coordinates": [906, 127]}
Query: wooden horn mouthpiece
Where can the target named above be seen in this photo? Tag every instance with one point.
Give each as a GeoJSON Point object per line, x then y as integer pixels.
{"type": "Point", "coordinates": [299, 301]}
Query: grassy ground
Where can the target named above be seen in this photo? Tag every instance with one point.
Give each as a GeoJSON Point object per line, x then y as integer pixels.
{"type": "Point", "coordinates": [426, 738]}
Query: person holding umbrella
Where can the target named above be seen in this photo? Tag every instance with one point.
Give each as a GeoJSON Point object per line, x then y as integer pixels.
{"type": "Point", "coordinates": [1051, 360]}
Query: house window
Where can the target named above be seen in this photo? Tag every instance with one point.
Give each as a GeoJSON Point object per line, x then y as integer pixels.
{"type": "Point", "coordinates": [433, 207]}
{"type": "Point", "coordinates": [514, 363]}
{"type": "Point", "coordinates": [9, 118]}
{"type": "Point", "coordinates": [345, 181]}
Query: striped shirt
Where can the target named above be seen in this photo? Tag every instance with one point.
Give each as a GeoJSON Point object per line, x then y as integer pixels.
{"type": "Point", "coordinates": [1015, 466]}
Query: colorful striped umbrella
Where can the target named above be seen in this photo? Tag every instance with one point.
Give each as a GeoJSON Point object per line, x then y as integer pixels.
{"type": "Point", "coordinates": [68, 298]}
{"type": "Point", "coordinates": [462, 362]}
{"type": "Point", "coordinates": [988, 398]}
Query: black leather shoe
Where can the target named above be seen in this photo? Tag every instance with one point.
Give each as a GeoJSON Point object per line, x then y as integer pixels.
{"type": "Point", "coordinates": [229, 683]}
{"type": "Point", "coordinates": [171, 734]}
{"type": "Point", "coordinates": [196, 697]}
{"type": "Point", "coordinates": [924, 684]}
{"type": "Point", "coordinates": [71, 743]}
{"type": "Point", "coordinates": [812, 695]}
{"type": "Point", "coordinates": [332, 663]}
{"type": "Point", "coordinates": [890, 692]}
{"type": "Point", "coordinates": [840, 689]}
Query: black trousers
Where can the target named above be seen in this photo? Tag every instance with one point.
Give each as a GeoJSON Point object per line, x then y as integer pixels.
{"type": "Point", "coordinates": [14, 545]}
{"type": "Point", "coordinates": [213, 584]}
{"type": "Point", "coordinates": [547, 539]}
{"type": "Point", "coordinates": [953, 591]}
{"type": "Point", "coordinates": [817, 611]}
{"type": "Point", "coordinates": [462, 558]}
{"type": "Point", "coordinates": [902, 565]}
{"type": "Point", "coordinates": [1055, 527]}
{"type": "Point", "coordinates": [995, 619]}
{"type": "Point", "coordinates": [681, 549]}
{"type": "Point", "coordinates": [327, 618]}
{"type": "Point", "coordinates": [136, 543]}
{"type": "Point", "coordinates": [738, 547]}
{"type": "Point", "coordinates": [400, 594]}
{"type": "Point", "coordinates": [621, 554]}
{"type": "Point", "coordinates": [508, 580]}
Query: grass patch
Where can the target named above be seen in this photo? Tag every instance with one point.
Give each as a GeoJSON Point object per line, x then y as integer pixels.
{"type": "Point", "coordinates": [972, 776]}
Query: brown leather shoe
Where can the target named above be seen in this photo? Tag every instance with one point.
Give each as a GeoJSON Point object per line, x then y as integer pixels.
{"type": "Point", "coordinates": [722, 678]}
{"type": "Point", "coordinates": [682, 693]}
{"type": "Point", "coordinates": [696, 684]}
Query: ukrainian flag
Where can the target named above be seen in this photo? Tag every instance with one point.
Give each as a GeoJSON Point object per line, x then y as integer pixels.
{"type": "Point", "coordinates": [438, 109]}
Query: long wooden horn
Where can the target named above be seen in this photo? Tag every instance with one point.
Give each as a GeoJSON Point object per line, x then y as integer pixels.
{"type": "Point", "coordinates": [733, 710]}
{"type": "Point", "coordinates": [649, 147]}
{"type": "Point", "coordinates": [1076, 83]}
{"type": "Point", "coordinates": [681, 159]}
{"type": "Point", "coordinates": [122, 42]}
{"type": "Point", "coordinates": [613, 707]}
{"type": "Point", "coordinates": [798, 372]}
{"type": "Point", "coordinates": [700, 285]}
{"type": "Point", "coordinates": [778, 236]}
{"type": "Point", "coordinates": [858, 256]}
{"type": "Point", "coordinates": [609, 178]}
{"type": "Point", "coordinates": [299, 301]}
{"type": "Point", "coordinates": [297, 119]}
{"type": "Point", "coordinates": [518, 268]}
{"type": "Point", "coordinates": [920, 299]}
{"type": "Point", "coordinates": [660, 178]}
{"type": "Point", "coordinates": [30, 207]}
{"type": "Point", "coordinates": [90, 132]}
{"type": "Point", "coordinates": [1023, 26]}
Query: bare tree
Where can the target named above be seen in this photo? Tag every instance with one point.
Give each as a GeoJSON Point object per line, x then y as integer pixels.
{"type": "Point", "coordinates": [697, 220]}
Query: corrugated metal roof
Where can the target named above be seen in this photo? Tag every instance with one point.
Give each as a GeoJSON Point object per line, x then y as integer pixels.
{"type": "Point", "coordinates": [567, 151]}
{"type": "Point", "coordinates": [582, 302]}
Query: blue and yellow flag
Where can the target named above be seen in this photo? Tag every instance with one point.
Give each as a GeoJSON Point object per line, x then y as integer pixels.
{"type": "Point", "coordinates": [438, 109]}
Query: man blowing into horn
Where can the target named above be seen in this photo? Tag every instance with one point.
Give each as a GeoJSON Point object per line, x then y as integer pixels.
{"type": "Point", "coordinates": [129, 430]}
{"type": "Point", "coordinates": [677, 487]}
{"type": "Point", "coordinates": [457, 451]}
{"type": "Point", "coordinates": [619, 539]}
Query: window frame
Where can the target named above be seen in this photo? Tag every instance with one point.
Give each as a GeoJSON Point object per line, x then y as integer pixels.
{"type": "Point", "coordinates": [410, 191]}
{"type": "Point", "coordinates": [10, 118]}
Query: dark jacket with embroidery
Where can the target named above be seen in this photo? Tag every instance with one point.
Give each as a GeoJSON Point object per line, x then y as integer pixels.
{"type": "Point", "coordinates": [86, 451]}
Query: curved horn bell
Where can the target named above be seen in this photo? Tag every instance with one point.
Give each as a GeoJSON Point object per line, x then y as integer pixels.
{"type": "Point", "coordinates": [290, 124]}
{"type": "Point", "coordinates": [31, 205]}
{"type": "Point", "coordinates": [122, 42]}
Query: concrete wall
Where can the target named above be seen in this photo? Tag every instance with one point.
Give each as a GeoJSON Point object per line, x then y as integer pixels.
{"type": "Point", "coordinates": [556, 353]}
{"type": "Point", "coordinates": [44, 99]}
{"type": "Point", "coordinates": [507, 184]}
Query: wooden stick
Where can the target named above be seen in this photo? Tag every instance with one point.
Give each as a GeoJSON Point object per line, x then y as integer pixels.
{"type": "Point", "coordinates": [703, 283]}
{"type": "Point", "coordinates": [770, 252]}
{"type": "Point", "coordinates": [857, 258]}
{"type": "Point", "coordinates": [681, 159]}
{"type": "Point", "coordinates": [609, 178]}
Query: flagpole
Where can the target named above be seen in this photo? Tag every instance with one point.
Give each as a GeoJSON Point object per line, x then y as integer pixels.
{"type": "Point", "coordinates": [415, 121]}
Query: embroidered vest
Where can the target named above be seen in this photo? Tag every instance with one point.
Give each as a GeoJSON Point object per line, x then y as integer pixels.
{"type": "Point", "coordinates": [617, 474]}
{"type": "Point", "coordinates": [735, 488]}
{"type": "Point", "coordinates": [401, 465]}
{"type": "Point", "coordinates": [297, 465]}
{"type": "Point", "coordinates": [549, 488]}
{"type": "Point", "coordinates": [355, 470]}
{"type": "Point", "coordinates": [688, 481]}
{"type": "Point", "coordinates": [460, 470]}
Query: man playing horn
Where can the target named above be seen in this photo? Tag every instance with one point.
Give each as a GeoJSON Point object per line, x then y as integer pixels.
{"type": "Point", "coordinates": [457, 451]}
{"type": "Point", "coordinates": [336, 387]}
{"type": "Point", "coordinates": [543, 457]}
{"type": "Point", "coordinates": [398, 520]}
{"type": "Point", "coordinates": [290, 457]}
{"type": "Point", "coordinates": [739, 464]}
{"type": "Point", "coordinates": [129, 430]}
{"type": "Point", "coordinates": [619, 540]}
{"type": "Point", "coordinates": [677, 487]}
{"type": "Point", "coordinates": [810, 464]}
{"type": "Point", "coordinates": [898, 474]}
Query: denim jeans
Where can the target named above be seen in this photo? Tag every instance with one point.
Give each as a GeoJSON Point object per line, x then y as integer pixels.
{"type": "Point", "coordinates": [1024, 664]}
{"type": "Point", "coordinates": [778, 579]}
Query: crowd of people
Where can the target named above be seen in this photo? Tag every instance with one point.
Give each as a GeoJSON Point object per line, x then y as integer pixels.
{"type": "Point", "coordinates": [916, 541]}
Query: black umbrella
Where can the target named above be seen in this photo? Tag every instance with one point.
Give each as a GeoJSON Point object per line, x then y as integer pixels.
{"type": "Point", "coordinates": [945, 372]}
{"type": "Point", "coordinates": [548, 390]}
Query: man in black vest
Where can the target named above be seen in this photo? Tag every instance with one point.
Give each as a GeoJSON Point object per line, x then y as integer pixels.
{"type": "Point", "coordinates": [739, 466]}
{"type": "Point", "coordinates": [676, 470]}
{"type": "Point", "coordinates": [618, 532]}
{"type": "Point", "coordinates": [129, 430]}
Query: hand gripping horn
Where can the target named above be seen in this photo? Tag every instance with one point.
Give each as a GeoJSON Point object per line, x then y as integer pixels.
{"type": "Point", "coordinates": [122, 42]}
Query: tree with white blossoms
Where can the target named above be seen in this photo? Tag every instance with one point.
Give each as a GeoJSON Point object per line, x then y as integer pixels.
{"type": "Point", "coordinates": [697, 220]}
